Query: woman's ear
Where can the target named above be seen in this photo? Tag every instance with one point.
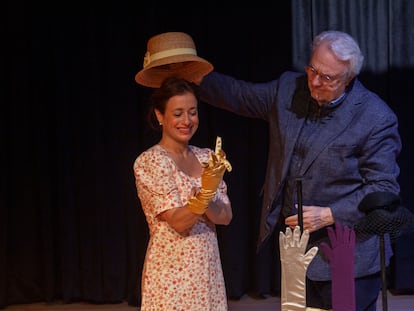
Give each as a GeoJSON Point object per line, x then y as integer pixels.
{"type": "Point", "coordinates": [159, 116]}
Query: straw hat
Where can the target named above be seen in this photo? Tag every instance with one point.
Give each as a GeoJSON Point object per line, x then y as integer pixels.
{"type": "Point", "coordinates": [171, 53]}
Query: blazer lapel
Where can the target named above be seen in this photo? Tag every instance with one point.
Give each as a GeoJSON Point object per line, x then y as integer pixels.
{"type": "Point", "coordinates": [341, 117]}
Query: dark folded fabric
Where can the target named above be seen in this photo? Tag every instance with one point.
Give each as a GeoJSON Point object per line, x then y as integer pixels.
{"type": "Point", "coordinates": [384, 214]}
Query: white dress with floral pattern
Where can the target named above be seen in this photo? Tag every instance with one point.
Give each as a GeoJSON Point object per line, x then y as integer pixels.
{"type": "Point", "coordinates": [180, 272]}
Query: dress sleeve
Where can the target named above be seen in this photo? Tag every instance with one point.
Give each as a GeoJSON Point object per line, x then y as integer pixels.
{"type": "Point", "coordinates": [155, 182]}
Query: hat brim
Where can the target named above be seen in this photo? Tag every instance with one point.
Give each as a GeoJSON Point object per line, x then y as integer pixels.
{"type": "Point", "coordinates": [189, 67]}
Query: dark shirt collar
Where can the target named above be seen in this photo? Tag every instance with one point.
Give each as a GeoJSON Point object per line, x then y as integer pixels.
{"type": "Point", "coordinates": [340, 99]}
{"type": "Point", "coordinates": [337, 101]}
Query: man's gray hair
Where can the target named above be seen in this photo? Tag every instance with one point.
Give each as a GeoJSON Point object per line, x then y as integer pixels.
{"type": "Point", "coordinates": [343, 46]}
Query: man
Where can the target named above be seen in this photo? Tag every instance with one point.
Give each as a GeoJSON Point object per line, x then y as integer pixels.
{"type": "Point", "coordinates": [340, 139]}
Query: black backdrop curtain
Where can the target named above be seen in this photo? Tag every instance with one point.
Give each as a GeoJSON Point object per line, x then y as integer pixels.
{"type": "Point", "coordinates": [73, 121]}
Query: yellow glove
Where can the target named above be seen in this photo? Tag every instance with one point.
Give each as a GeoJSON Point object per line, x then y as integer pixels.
{"type": "Point", "coordinates": [199, 203]}
{"type": "Point", "coordinates": [212, 174]}
{"type": "Point", "coordinates": [210, 179]}
{"type": "Point", "coordinates": [214, 170]}
{"type": "Point", "coordinates": [221, 155]}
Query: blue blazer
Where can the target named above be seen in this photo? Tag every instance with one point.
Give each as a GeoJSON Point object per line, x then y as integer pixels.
{"type": "Point", "coordinates": [355, 154]}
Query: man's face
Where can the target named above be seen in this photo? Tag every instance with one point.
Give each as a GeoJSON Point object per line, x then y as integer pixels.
{"type": "Point", "coordinates": [327, 75]}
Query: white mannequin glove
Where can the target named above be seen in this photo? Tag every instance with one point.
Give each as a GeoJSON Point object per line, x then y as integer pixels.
{"type": "Point", "coordinates": [294, 264]}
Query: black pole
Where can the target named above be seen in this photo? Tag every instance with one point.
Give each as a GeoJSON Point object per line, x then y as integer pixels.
{"type": "Point", "coordinates": [383, 274]}
{"type": "Point", "coordinates": [300, 204]}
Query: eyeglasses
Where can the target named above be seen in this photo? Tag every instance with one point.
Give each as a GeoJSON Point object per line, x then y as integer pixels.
{"type": "Point", "coordinates": [325, 78]}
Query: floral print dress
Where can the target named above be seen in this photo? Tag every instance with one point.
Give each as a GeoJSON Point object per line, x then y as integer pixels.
{"type": "Point", "coordinates": [180, 272]}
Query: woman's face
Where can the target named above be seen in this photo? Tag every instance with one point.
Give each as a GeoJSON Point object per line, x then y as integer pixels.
{"type": "Point", "coordinates": [327, 75]}
{"type": "Point", "coordinates": [180, 120]}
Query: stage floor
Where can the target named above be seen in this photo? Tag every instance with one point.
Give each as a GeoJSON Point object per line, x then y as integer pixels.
{"type": "Point", "coordinates": [394, 303]}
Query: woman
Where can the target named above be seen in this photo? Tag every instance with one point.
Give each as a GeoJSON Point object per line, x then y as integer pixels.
{"type": "Point", "coordinates": [183, 196]}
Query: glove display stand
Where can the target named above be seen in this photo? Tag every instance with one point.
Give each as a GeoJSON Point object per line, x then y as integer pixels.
{"type": "Point", "coordinates": [384, 215]}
